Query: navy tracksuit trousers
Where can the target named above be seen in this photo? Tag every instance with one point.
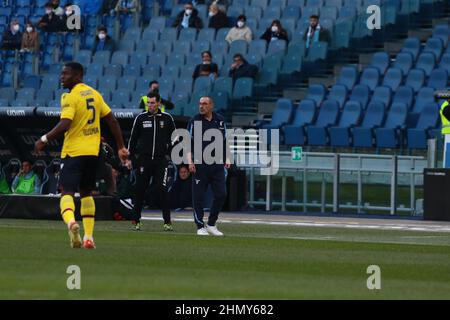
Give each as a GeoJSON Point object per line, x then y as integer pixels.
{"type": "Point", "coordinates": [204, 176]}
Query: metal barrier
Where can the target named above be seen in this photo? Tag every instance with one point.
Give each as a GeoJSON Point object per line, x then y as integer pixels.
{"type": "Point", "coordinates": [337, 165]}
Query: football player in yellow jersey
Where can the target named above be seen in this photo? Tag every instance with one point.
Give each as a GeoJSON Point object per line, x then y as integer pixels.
{"type": "Point", "coordinates": [81, 111]}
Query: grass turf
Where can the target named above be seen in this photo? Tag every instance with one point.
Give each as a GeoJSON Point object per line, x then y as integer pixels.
{"type": "Point", "coordinates": [251, 262]}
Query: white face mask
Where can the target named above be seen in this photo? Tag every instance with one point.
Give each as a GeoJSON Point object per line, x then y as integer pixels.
{"type": "Point", "coordinates": [48, 11]}
{"type": "Point", "coordinates": [188, 12]}
{"type": "Point", "coordinates": [274, 29]}
{"type": "Point", "coordinates": [68, 13]}
{"type": "Point", "coordinates": [16, 27]}
{"type": "Point", "coordinates": [240, 24]}
{"type": "Point", "coordinates": [101, 36]}
{"type": "Point", "coordinates": [211, 14]}
{"type": "Point", "coordinates": [29, 29]}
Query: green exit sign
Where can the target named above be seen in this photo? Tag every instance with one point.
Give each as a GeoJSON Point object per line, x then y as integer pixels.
{"type": "Point", "coordinates": [296, 153]}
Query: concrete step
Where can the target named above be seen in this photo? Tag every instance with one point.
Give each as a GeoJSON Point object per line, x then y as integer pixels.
{"type": "Point", "coordinates": [326, 81]}
{"type": "Point", "coordinates": [243, 120]}
{"type": "Point", "coordinates": [266, 107]}
{"type": "Point", "coordinates": [393, 47]}
{"type": "Point", "coordinates": [294, 95]}
{"type": "Point", "coordinates": [422, 34]}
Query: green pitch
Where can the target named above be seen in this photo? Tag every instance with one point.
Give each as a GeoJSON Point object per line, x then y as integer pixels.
{"type": "Point", "coordinates": [251, 262]}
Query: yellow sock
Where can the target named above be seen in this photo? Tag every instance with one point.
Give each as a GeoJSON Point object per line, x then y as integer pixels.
{"type": "Point", "coordinates": [67, 206]}
{"type": "Point", "coordinates": [88, 215]}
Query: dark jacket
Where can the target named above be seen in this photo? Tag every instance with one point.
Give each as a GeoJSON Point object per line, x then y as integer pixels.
{"type": "Point", "coordinates": [245, 70]}
{"type": "Point", "coordinates": [217, 122]}
{"type": "Point", "coordinates": [280, 35]}
{"type": "Point", "coordinates": [220, 20]}
{"type": "Point", "coordinates": [194, 20]}
{"type": "Point", "coordinates": [181, 194]}
{"type": "Point", "coordinates": [213, 68]}
{"type": "Point", "coordinates": [11, 41]}
{"type": "Point", "coordinates": [324, 35]}
{"type": "Point", "coordinates": [151, 135]}
{"type": "Point", "coordinates": [108, 46]}
{"type": "Point", "coordinates": [53, 23]}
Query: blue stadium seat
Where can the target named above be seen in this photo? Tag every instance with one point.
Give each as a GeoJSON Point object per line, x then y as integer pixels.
{"type": "Point", "coordinates": [291, 12]}
{"type": "Point", "coordinates": [243, 88]}
{"type": "Point", "coordinates": [259, 3]}
{"type": "Point", "coordinates": [404, 95]}
{"type": "Point", "coordinates": [424, 97]}
{"type": "Point", "coordinates": [224, 84]}
{"type": "Point", "coordinates": [428, 119]}
{"type": "Point", "coordinates": [50, 82]}
{"type": "Point", "coordinates": [219, 47]}
{"type": "Point", "coordinates": [445, 62]}
{"type": "Point", "coordinates": [91, 80]}
{"type": "Point", "coordinates": [426, 62]}
{"type": "Point", "coordinates": [183, 84]}
{"type": "Point", "coordinates": [176, 59]}
{"type": "Point", "coordinates": [32, 82]}
{"type": "Point", "coordinates": [404, 61]}
{"type": "Point", "coordinates": [120, 57]}
{"type": "Point", "coordinates": [292, 62]}
{"type": "Point", "coordinates": [207, 34]}
{"type": "Point", "coordinates": [382, 94]}
{"type": "Point", "coordinates": [132, 70]}
{"type": "Point", "coordinates": [351, 115]}
{"type": "Point", "coordinates": [114, 70]}
{"type": "Point", "coordinates": [189, 34]}
{"type": "Point", "coordinates": [150, 34]}
{"type": "Point", "coordinates": [273, 62]}
{"type": "Point", "coordinates": [390, 135]}
{"type": "Point", "coordinates": [200, 45]}
{"type": "Point", "coordinates": [438, 79]}
{"type": "Point", "coordinates": [373, 118]}
{"type": "Point", "coordinates": [281, 115]}
{"type": "Point", "coordinates": [380, 60]}
{"type": "Point", "coordinates": [435, 46]}
{"type": "Point", "coordinates": [393, 78]}
{"type": "Point", "coordinates": [158, 58]}
{"type": "Point", "coordinates": [297, 47]}
{"type": "Point", "coordinates": [348, 77]}
{"type": "Point", "coordinates": [294, 133]}
{"type": "Point", "coordinates": [277, 46]}
{"type": "Point", "coordinates": [415, 79]}
{"type": "Point", "coordinates": [317, 93]}
{"type": "Point", "coordinates": [127, 83]}
{"type": "Point", "coordinates": [238, 46]}
{"type": "Point", "coordinates": [9, 94]}
{"type": "Point", "coordinates": [253, 12]}
{"type": "Point", "coordinates": [412, 45]}
{"type": "Point", "coordinates": [107, 83]}
{"type": "Point", "coordinates": [272, 12]}
{"type": "Point", "coordinates": [370, 77]}
{"type": "Point", "coordinates": [317, 51]}
{"type": "Point", "coordinates": [157, 23]}
{"type": "Point", "coordinates": [338, 93]}
{"type": "Point", "coordinates": [19, 103]}
{"type": "Point", "coordinates": [442, 32]}
{"type": "Point", "coordinates": [203, 84]}
{"type": "Point", "coordinates": [257, 46]}
{"type": "Point", "coordinates": [139, 58]}
{"type": "Point", "coordinates": [328, 115]}
{"type": "Point", "coordinates": [152, 71]}
{"type": "Point", "coordinates": [45, 95]}
{"type": "Point", "coordinates": [26, 94]}
{"type": "Point", "coordinates": [329, 12]}
{"type": "Point", "coordinates": [101, 57]}
{"type": "Point", "coordinates": [360, 93]}
{"type": "Point", "coordinates": [121, 98]}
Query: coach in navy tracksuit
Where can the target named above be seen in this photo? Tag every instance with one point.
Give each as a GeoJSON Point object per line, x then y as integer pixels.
{"type": "Point", "coordinates": [207, 174]}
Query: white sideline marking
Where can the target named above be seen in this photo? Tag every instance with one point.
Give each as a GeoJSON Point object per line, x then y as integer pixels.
{"type": "Point", "coordinates": [321, 224]}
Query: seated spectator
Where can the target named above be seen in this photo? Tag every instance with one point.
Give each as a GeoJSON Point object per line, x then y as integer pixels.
{"type": "Point", "coordinates": [275, 32]}
{"type": "Point", "coordinates": [26, 181]}
{"type": "Point", "coordinates": [241, 68]}
{"type": "Point", "coordinates": [240, 31]}
{"type": "Point", "coordinates": [103, 42]}
{"type": "Point", "coordinates": [57, 9]}
{"type": "Point", "coordinates": [127, 6]}
{"type": "Point", "coordinates": [52, 184]}
{"type": "Point", "coordinates": [206, 61]}
{"type": "Point", "coordinates": [181, 192]}
{"type": "Point", "coordinates": [315, 32]}
{"type": "Point", "coordinates": [30, 39]}
{"type": "Point", "coordinates": [108, 7]}
{"type": "Point", "coordinates": [154, 88]}
{"type": "Point", "coordinates": [188, 18]}
{"type": "Point", "coordinates": [50, 22]}
{"type": "Point", "coordinates": [12, 38]}
{"type": "Point", "coordinates": [217, 18]}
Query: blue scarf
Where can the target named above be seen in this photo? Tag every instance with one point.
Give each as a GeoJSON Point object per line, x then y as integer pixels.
{"type": "Point", "coordinates": [315, 37]}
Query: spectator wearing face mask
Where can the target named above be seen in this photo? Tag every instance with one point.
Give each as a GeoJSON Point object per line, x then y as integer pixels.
{"type": "Point", "coordinates": [212, 68]}
{"type": "Point", "coordinates": [154, 88]}
{"type": "Point", "coordinates": [315, 32]}
{"type": "Point", "coordinates": [217, 18]}
{"type": "Point", "coordinates": [275, 32]}
{"type": "Point", "coordinates": [50, 22]}
{"type": "Point", "coordinates": [12, 38]}
{"type": "Point", "coordinates": [240, 31]}
{"type": "Point", "coordinates": [103, 42]}
{"type": "Point", "coordinates": [30, 39]}
{"type": "Point", "coordinates": [57, 9]}
{"type": "Point", "coordinates": [188, 18]}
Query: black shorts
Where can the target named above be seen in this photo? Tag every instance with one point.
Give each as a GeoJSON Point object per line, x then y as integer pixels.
{"type": "Point", "coordinates": [78, 173]}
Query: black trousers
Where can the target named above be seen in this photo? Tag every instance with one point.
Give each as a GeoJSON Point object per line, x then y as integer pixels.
{"type": "Point", "coordinates": [156, 169]}
{"type": "Point", "coordinates": [204, 176]}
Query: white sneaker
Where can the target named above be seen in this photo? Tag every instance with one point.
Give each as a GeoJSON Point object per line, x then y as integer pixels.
{"type": "Point", "coordinates": [202, 232]}
{"type": "Point", "coordinates": [214, 231]}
